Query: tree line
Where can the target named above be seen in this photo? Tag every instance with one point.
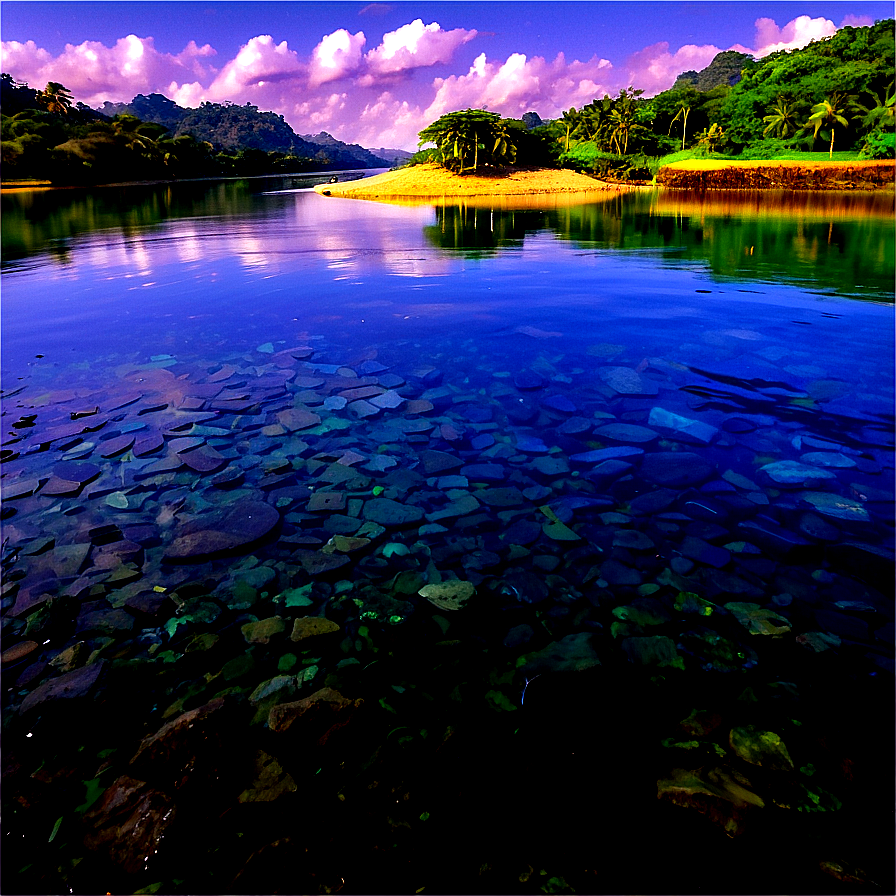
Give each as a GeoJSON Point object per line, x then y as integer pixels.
{"type": "Point", "coordinates": [45, 135]}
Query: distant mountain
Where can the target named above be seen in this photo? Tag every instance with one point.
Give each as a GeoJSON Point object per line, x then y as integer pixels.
{"type": "Point", "coordinates": [532, 120]}
{"type": "Point", "coordinates": [331, 145]}
{"type": "Point", "coordinates": [392, 155]}
{"type": "Point", "coordinates": [230, 128]}
{"type": "Point", "coordinates": [723, 71]}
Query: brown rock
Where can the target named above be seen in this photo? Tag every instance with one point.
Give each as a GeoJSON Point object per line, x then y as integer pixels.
{"type": "Point", "coordinates": [311, 626]}
{"type": "Point", "coordinates": [195, 740]}
{"type": "Point", "coordinates": [316, 717]}
{"type": "Point", "coordinates": [297, 418]}
{"type": "Point", "coordinates": [212, 533]}
{"type": "Point", "coordinates": [19, 651]}
{"type": "Point", "coordinates": [70, 686]}
{"type": "Point", "coordinates": [129, 823]}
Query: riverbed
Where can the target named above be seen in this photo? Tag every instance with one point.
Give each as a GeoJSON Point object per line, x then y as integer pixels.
{"type": "Point", "coordinates": [468, 548]}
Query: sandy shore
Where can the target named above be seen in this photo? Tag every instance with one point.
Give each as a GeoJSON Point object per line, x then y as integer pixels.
{"type": "Point", "coordinates": [433, 182]}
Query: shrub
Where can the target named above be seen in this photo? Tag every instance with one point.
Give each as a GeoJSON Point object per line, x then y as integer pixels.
{"type": "Point", "coordinates": [879, 145]}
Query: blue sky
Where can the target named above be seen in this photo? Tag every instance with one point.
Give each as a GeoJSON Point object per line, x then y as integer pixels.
{"type": "Point", "coordinates": [376, 73]}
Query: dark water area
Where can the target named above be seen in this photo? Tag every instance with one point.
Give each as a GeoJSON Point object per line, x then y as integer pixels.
{"type": "Point", "coordinates": [519, 547]}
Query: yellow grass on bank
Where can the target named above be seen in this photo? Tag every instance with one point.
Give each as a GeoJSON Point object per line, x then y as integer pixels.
{"type": "Point", "coordinates": [428, 182]}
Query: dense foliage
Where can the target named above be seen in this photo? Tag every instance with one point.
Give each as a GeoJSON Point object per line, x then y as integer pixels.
{"type": "Point", "coordinates": [855, 64]}
{"type": "Point", "coordinates": [837, 93]}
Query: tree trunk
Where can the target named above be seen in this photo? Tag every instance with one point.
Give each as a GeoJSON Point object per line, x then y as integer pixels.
{"type": "Point", "coordinates": [831, 152]}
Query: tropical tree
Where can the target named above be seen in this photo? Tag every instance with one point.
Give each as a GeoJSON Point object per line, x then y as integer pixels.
{"type": "Point", "coordinates": [882, 114]}
{"type": "Point", "coordinates": [683, 111]}
{"type": "Point", "coordinates": [504, 148]}
{"type": "Point", "coordinates": [55, 98]}
{"type": "Point", "coordinates": [781, 121]}
{"type": "Point", "coordinates": [570, 121]}
{"type": "Point", "coordinates": [712, 138]}
{"type": "Point", "coordinates": [828, 113]}
{"type": "Point", "coordinates": [472, 135]}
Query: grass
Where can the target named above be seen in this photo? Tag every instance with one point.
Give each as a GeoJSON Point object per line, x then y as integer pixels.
{"type": "Point", "coordinates": [686, 155]}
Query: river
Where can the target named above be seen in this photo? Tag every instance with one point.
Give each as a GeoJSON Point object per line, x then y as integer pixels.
{"type": "Point", "coordinates": [531, 546]}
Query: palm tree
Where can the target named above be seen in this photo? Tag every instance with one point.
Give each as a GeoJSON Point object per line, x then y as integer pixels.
{"type": "Point", "coordinates": [570, 119]}
{"type": "Point", "coordinates": [712, 137]}
{"type": "Point", "coordinates": [830, 112]}
{"type": "Point", "coordinates": [780, 120]}
{"type": "Point", "coordinates": [504, 147]}
{"type": "Point", "coordinates": [683, 111]}
{"type": "Point", "coordinates": [882, 113]}
{"type": "Point", "coordinates": [55, 98]}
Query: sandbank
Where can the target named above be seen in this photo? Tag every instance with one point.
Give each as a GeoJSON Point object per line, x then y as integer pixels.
{"type": "Point", "coordinates": [428, 182]}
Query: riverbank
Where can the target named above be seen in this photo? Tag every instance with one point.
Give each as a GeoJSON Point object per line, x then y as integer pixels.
{"type": "Point", "coordinates": [711, 174]}
{"type": "Point", "coordinates": [432, 181]}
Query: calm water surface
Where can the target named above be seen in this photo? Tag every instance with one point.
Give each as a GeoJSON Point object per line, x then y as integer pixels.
{"type": "Point", "coordinates": [569, 506]}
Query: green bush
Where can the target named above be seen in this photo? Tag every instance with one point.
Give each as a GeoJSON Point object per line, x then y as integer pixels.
{"type": "Point", "coordinates": [423, 157]}
{"type": "Point", "coordinates": [587, 158]}
{"type": "Point", "coordinates": [769, 148]}
{"type": "Point", "coordinates": [879, 145]}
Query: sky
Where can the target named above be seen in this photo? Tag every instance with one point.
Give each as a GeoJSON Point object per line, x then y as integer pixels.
{"type": "Point", "coordinates": [377, 73]}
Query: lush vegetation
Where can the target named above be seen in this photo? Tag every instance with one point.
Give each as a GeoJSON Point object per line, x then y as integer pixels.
{"type": "Point", "coordinates": [46, 136]}
{"type": "Point", "coordinates": [835, 94]}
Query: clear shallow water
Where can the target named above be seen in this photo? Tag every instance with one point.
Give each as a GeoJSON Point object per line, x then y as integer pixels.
{"type": "Point", "coordinates": [733, 559]}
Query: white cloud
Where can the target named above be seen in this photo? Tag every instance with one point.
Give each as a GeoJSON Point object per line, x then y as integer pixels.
{"type": "Point", "coordinates": [519, 85]}
{"type": "Point", "coordinates": [856, 21]}
{"type": "Point", "coordinates": [259, 63]}
{"type": "Point", "coordinates": [655, 69]}
{"type": "Point", "coordinates": [336, 56]}
{"type": "Point", "coordinates": [95, 73]}
{"type": "Point", "coordinates": [416, 45]}
{"type": "Point", "coordinates": [796, 34]}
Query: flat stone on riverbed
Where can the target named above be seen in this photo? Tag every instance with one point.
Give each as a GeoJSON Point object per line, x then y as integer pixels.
{"type": "Point", "coordinates": [792, 472]}
{"type": "Point", "coordinates": [675, 468]}
{"type": "Point", "coordinates": [627, 433]}
{"type": "Point", "coordinates": [69, 686]}
{"type": "Point", "coordinates": [626, 381]}
{"type": "Point", "coordinates": [390, 513]}
{"type": "Point", "coordinates": [220, 532]}
{"type": "Point", "coordinates": [295, 419]}
{"type": "Point", "coordinates": [450, 595]}
{"type": "Point", "coordinates": [836, 506]}
{"type": "Point", "coordinates": [599, 455]}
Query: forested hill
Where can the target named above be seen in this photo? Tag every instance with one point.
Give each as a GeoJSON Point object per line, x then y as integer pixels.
{"type": "Point", "coordinates": [230, 128]}
{"type": "Point", "coordinates": [723, 71]}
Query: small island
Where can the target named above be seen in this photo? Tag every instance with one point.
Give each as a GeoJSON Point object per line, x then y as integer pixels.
{"type": "Point", "coordinates": [431, 180]}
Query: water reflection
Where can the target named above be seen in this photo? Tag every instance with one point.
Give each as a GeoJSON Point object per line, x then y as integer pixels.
{"type": "Point", "coordinates": [838, 243]}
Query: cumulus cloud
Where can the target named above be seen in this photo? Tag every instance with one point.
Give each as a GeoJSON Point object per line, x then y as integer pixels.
{"type": "Point", "coordinates": [520, 84]}
{"type": "Point", "coordinates": [258, 63]}
{"type": "Point", "coordinates": [655, 69]}
{"type": "Point", "coordinates": [95, 73]}
{"type": "Point", "coordinates": [336, 56]}
{"type": "Point", "coordinates": [856, 21]}
{"type": "Point", "coordinates": [796, 34]}
{"type": "Point", "coordinates": [416, 45]}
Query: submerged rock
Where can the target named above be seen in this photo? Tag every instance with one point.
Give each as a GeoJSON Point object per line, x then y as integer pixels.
{"type": "Point", "coordinates": [223, 532]}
